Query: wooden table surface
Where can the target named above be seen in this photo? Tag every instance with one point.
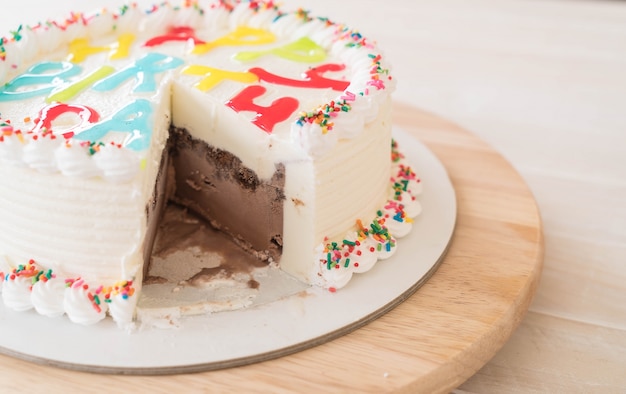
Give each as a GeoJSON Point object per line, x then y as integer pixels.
{"type": "Point", "coordinates": [544, 84]}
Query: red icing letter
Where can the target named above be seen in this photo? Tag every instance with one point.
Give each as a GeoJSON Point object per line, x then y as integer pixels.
{"type": "Point", "coordinates": [312, 78]}
{"type": "Point", "coordinates": [48, 115]}
{"type": "Point", "coordinates": [180, 33]}
{"type": "Point", "coordinates": [267, 117]}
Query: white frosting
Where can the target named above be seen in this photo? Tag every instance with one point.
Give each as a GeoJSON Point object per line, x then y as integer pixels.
{"type": "Point", "coordinates": [398, 227]}
{"type": "Point", "coordinates": [80, 309]}
{"type": "Point", "coordinates": [16, 293]}
{"type": "Point", "coordinates": [40, 155]}
{"type": "Point", "coordinates": [47, 297]}
{"type": "Point", "coordinates": [123, 310]}
{"type": "Point", "coordinates": [116, 165]}
{"type": "Point", "coordinates": [11, 151]}
{"type": "Point", "coordinates": [310, 138]}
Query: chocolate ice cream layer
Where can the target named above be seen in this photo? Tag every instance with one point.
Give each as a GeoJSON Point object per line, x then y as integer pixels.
{"type": "Point", "coordinates": [217, 186]}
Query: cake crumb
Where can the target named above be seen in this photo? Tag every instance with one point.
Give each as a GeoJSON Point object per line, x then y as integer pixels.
{"type": "Point", "coordinates": [193, 185]}
{"type": "Point", "coordinates": [297, 202]}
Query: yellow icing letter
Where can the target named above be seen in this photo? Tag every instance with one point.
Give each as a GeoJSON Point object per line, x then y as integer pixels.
{"type": "Point", "coordinates": [241, 36]}
{"type": "Point", "coordinates": [80, 49]}
{"type": "Point", "coordinates": [213, 76]}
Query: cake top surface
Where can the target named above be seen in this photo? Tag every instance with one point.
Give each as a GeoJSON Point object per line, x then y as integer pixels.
{"type": "Point", "coordinates": [82, 95]}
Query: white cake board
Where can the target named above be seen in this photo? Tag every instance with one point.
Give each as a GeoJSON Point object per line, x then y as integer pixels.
{"type": "Point", "coordinates": [273, 328]}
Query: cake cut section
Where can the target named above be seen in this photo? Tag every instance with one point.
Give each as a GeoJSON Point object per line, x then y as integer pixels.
{"type": "Point", "coordinates": [215, 185]}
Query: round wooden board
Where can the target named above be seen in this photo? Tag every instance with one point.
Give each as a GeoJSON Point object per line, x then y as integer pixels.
{"type": "Point", "coordinates": [433, 341]}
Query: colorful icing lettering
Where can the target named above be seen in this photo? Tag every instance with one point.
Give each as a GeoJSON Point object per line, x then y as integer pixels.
{"type": "Point", "coordinates": [266, 117]}
{"type": "Point", "coordinates": [134, 119]}
{"type": "Point", "coordinates": [50, 113]}
{"type": "Point", "coordinates": [42, 77]}
{"type": "Point", "coordinates": [213, 76]}
{"type": "Point", "coordinates": [303, 50]}
{"type": "Point", "coordinates": [312, 78]}
{"type": "Point", "coordinates": [179, 33]}
{"type": "Point", "coordinates": [143, 70]}
{"type": "Point", "coordinates": [79, 48]}
{"type": "Point", "coordinates": [68, 92]}
{"type": "Point", "coordinates": [242, 35]}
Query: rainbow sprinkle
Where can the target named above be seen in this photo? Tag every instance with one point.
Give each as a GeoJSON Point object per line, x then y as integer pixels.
{"type": "Point", "coordinates": [29, 270]}
{"type": "Point", "coordinates": [396, 155]}
{"type": "Point", "coordinates": [323, 116]}
{"type": "Point", "coordinates": [96, 297]}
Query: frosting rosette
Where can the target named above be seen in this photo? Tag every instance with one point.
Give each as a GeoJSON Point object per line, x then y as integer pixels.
{"type": "Point", "coordinates": [80, 305]}
{"type": "Point", "coordinates": [16, 293]}
{"type": "Point", "coordinates": [47, 297]}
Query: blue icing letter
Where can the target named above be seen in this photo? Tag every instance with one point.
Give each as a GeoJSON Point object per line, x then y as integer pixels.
{"type": "Point", "coordinates": [135, 119]}
{"type": "Point", "coordinates": [143, 70]}
{"type": "Point", "coordinates": [42, 78]}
